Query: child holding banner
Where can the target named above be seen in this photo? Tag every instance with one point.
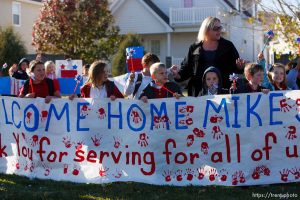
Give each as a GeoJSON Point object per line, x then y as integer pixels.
{"type": "Point", "coordinates": [98, 85]}
{"type": "Point", "coordinates": [160, 87]}
{"type": "Point", "coordinates": [137, 81]}
{"type": "Point", "coordinates": [254, 74]}
{"type": "Point", "coordinates": [212, 82]}
{"type": "Point", "coordinates": [39, 85]}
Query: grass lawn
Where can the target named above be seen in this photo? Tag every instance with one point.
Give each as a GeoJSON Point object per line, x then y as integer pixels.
{"type": "Point", "coordinates": [16, 187]}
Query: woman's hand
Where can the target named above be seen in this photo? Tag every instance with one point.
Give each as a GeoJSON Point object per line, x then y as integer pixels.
{"type": "Point", "coordinates": [72, 97]}
{"type": "Point", "coordinates": [174, 70]}
{"type": "Point", "coordinates": [131, 77]}
{"type": "Point", "coordinates": [176, 95]}
{"type": "Point", "coordinates": [30, 95]}
{"type": "Point", "coordinates": [144, 99]}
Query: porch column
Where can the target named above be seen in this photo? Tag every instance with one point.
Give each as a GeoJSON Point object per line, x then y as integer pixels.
{"type": "Point", "coordinates": [169, 44]}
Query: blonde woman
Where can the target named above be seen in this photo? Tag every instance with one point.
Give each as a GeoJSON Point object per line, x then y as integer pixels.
{"type": "Point", "coordinates": [210, 49]}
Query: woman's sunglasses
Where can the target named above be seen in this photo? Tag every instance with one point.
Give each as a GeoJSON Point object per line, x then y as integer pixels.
{"type": "Point", "coordinates": [217, 28]}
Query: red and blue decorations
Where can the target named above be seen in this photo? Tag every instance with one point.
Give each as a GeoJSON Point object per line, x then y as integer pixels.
{"type": "Point", "coordinates": [134, 57]}
{"type": "Point", "coordinates": [269, 35]}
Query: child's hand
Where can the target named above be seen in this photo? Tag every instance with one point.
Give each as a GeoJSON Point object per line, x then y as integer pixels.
{"type": "Point", "coordinates": [30, 95]}
{"type": "Point", "coordinates": [260, 56]}
{"type": "Point", "coordinates": [144, 99]}
{"type": "Point", "coordinates": [176, 95]}
{"type": "Point", "coordinates": [240, 63]}
{"type": "Point", "coordinates": [265, 91]}
{"type": "Point", "coordinates": [174, 70]}
{"type": "Point", "coordinates": [131, 77]}
{"type": "Point", "coordinates": [112, 97]}
{"type": "Point", "coordinates": [233, 86]}
{"type": "Point", "coordinates": [48, 99]}
{"type": "Point", "coordinates": [72, 97]}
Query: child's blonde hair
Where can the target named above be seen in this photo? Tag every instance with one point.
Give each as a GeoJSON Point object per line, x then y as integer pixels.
{"type": "Point", "coordinates": [155, 67]}
{"type": "Point", "coordinates": [95, 69]}
{"type": "Point", "coordinates": [47, 65]}
{"type": "Point", "coordinates": [251, 69]}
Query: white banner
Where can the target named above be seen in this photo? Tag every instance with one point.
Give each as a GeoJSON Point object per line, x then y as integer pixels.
{"type": "Point", "coordinates": [246, 139]}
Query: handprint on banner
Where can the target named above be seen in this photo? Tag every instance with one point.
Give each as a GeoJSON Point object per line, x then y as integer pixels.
{"type": "Point", "coordinates": [291, 134]}
{"type": "Point", "coordinates": [103, 171]}
{"type": "Point", "coordinates": [212, 174]}
{"type": "Point", "coordinates": [75, 171]}
{"type": "Point", "coordinates": [79, 145]}
{"type": "Point", "coordinates": [284, 174]}
{"type": "Point", "coordinates": [284, 106]}
{"type": "Point", "coordinates": [178, 175]}
{"type": "Point", "coordinates": [217, 133]}
{"type": "Point", "coordinates": [187, 110]}
{"type": "Point", "coordinates": [156, 120]}
{"type": "Point", "coordinates": [101, 113]}
{"type": "Point", "coordinates": [96, 140]}
{"type": "Point", "coordinates": [215, 119]}
{"type": "Point", "coordinates": [165, 119]}
{"type": "Point", "coordinates": [34, 140]}
{"type": "Point", "coordinates": [260, 170]}
{"type": "Point", "coordinates": [143, 140]}
{"type": "Point", "coordinates": [47, 169]}
{"type": "Point", "coordinates": [135, 117]}
{"type": "Point", "coordinates": [67, 141]}
{"type": "Point", "coordinates": [242, 177]}
{"type": "Point", "coordinates": [43, 115]}
{"type": "Point", "coordinates": [198, 132]}
{"type": "Point", "coordinates": [84, 111]}
{"type": "Point", "coordinates": [189, 140]}
{"type": "Point", "coordinates": [223, 175]}
{"type": "Point", "coordinates": [167, 175]}
{"type": "Point", "coordinates": [28, 117]}
{"type": "Point", "coordinates": [204, 148]}
{"type": "Point", "coordinates": [296, 172]}
{"type": "Point", "coordinates": [117, 142]}
{"type": "Point", "coordinates": [189, 174]}
{"type": "Point", "coordinates": [118, 173]}
{"type": "Point", "coordinates": [201, 173]}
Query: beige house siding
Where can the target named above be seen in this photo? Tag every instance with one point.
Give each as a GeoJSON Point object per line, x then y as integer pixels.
{"type": "Point", "coordinates": [29, 13]}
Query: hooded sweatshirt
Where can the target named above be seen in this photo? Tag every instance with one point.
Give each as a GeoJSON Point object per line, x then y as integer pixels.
{"type": "Point", "coordinates": [21, 74]}
{"type": "Point", "coordinates": [204, 90]}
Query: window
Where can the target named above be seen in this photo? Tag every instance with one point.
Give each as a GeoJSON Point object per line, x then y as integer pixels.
{"type": "Point", "coordinates": [16, 13]}
{"type": "Point", "coordinates": [188, 3]}
{"type": "Point", "coordinates": [155, 47]}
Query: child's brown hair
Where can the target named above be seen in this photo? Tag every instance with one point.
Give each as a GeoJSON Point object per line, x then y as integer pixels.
{"type": "Point", "coordinates": [95, 69]}
{"type": "Point", "coordinates": [251, 69]}
{"type": "Point", "coordinates": [274, 66]}
{"type": "Point", "coordinates": [149, 58]}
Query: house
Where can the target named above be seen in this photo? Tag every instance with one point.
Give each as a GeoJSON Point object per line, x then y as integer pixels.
{"type": "Point", "coordinates": [21, 15]}
{"type": "Point", "coordinates": [169, 27]}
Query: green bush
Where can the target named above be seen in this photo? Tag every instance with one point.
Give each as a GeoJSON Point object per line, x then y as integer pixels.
{"type": "Point", "coordinates": [12, 48]}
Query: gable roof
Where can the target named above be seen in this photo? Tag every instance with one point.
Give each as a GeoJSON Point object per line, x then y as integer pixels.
{"type": "Point", "coordinates": [234, 8]}
{"type": "Point", "coordinates": [158, 11]}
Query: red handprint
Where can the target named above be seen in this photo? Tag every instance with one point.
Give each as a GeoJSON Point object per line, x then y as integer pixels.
{"type": "Point", "coordinates": [178, 175]}
{"type": "Point", "coordinates": [201, 173]}
{"type": "Point", "coordinates": [75, 171]}
{"type": "Point", "coordinates": [156, 121]}
{"type": "Point", "coordinates": [84, 110]}
{"type": "Point", "coordinates": [79, 145]}
{"type": "Point", "coordinates": [28, 117]}
{"type": "Point", "coordinates": [117, 142]}
{"type": "Point", "coordinates": [215, 119]}
{"type": "Point", "coordinates": [284, 106]}
{"type": "Point", "coordinates": [167, 174]}
{"type": "Point", "coordinates": [242, 177]}
{"type": "Point", "coordinates": [34, 140]}
{"type": "Point", "coordinates": [291, 134]}
{"type": "Point", "coordinates": [212, 174]}
{"type": "Point", "coordinates": [189, 140]}
{"type": "Point", "coordinates": [217, 133]}
{"type": "Point", "coordinates": [118, 173]}
{"type": "Point", "coordinates": [165, 119]}
{"type": "Point", "coordinates": [296, 172]}
{"type": "Point", "coordinates": [101, 113]}
{"type": "Point", "coordinates": [103, 171]}
{"type": "Point", "coordinates": [265, 170]}
{"type": "Point", "coordinates": [44, 115]}
{"type": "Point", "coordinates": [47, 169]}
{"type": "Point", "coordinates": [143, 141]}
{"type": "Point", "coordinates": [204, 148]}
{"type": "Point", "coordinates": [67, 141]}
{"type": "Point", "coordinates": [284, 174]}
{"type": "Point", "coordinates": [189, 121]}
{"type": "Point", "coordinates": [189, 174]}
{"type": "Point", "coordinates": [198, 133]}
{"type": "Point", "coordinates": [96, 140]}
{"type": "Point", "coordinates": [135, 117]}
{"type": "Point", "coordinates": [235, 179]}
{"type": "Point", "coordinates": [223, 175]}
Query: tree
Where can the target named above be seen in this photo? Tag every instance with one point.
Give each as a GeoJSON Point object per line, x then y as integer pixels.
{"type": "Point", "coordinates": [283, 16]}
{"type": "Point", "coordinates": [119, 60]}
{"type": "Point", "coordinates": [12, 48]}
{"type": "Point", "coordinates": [81, 29]}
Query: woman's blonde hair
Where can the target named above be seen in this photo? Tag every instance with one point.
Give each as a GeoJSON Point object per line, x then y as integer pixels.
{"type": "Point", "coordinates": [206, 25]}
{"type": "Point", "coordinates": [95, 70]}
